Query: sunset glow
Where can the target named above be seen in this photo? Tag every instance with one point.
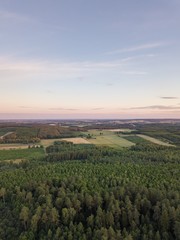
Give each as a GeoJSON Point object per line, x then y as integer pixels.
{"type": "Point", "coordinates": [89, 59]}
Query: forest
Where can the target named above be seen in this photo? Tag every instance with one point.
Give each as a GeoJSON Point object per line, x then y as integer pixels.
{"type": "Point", "coordinates": [86, 191]}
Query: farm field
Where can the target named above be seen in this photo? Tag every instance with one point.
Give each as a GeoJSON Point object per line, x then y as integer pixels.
{"type": "Point", "coordinates": [21, 153]}
{"type": "Point", "coordinates": [77, 140]}
{"type": "Point", "coordinates": [10, 146]}
{"type": "Point", "coordinates": [120, 130]}
{"type": "Point", "coordinates": [108, 138]}
{"type": "Point", "coordinates": [48, 142]}
{"type": "Point", "coordinates": [135, 139]}
{"type": "Point", "coordinates": [154, 140]}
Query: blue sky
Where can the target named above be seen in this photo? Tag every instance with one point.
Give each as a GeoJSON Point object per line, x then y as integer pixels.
{"type": "Point", "coordinates": [89, 59]}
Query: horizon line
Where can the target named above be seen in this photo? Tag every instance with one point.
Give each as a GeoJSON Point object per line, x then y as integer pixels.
{"type": "Point", "coordinates": [123, 119]}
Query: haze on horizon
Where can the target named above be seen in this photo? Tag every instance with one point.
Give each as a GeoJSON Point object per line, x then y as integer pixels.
{"type": "Point", "coordinates": [89, 59]}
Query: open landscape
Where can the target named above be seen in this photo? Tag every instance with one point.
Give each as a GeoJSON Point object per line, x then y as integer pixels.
{"type": "Point", "coordinates": [78, 181]}
{"type": "Point", "coordinates": [90, 120]}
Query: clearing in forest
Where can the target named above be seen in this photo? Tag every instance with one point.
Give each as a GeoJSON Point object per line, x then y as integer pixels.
{"type": "Point", "coordinates": [107, 138]}
{"type": "Point", "coordinates": [154, 140]}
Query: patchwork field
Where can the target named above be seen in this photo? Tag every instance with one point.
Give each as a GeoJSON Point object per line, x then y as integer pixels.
{"type": "Point", "coordinates": [107, 138]}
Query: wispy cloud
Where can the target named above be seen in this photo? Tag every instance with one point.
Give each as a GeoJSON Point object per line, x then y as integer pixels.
{"type": "Point", "coordinates": [25, 107]}
{"type": "Point", "coordinates": [50, 92]}
{"type": "Point", "coordinates": [157, 107]}
{"type": "Point", "coordinates": [168, 97]}
{"type": "Point", "coordinates": [136, 57]}
{"type": "Point", "coordinates": [13, 66]}
{"type": "Point", "coordinates": [30, 65]}
{"type": "Point", "coordinates": [109, 84]}
{"type": "Point", "coordinates": [138, 48]}
{"type": "Point", "coordinates": [98, 108]}
{"type": "Point", "coordinates": [66, 109]}
{"type": "Point", "coordinates": [15, 17]}
{"type": "Point", "coordinates": [134, 72]}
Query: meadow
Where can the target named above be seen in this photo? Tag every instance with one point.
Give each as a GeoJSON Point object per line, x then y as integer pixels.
{"type": "Point", "coordinates": [154, 140]}
{"type": "Point", "coordinates": [107, 138]}
{"type": "Point", "coordinates": [135, 139]}
{"type": "Point", "coordinates": [27, 153]}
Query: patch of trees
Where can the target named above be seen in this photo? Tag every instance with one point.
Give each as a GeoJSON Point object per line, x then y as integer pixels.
{"type": "Point", "coordinates": [62, 151]}
{"type": "Point", "coordinates": [34, 132]}
{"type": "Point", "coordinates": [19, 140]}
{"type": "Point", "coordinates": [141, 152]}
{"type": "Point", "coordinates": [49, 132]}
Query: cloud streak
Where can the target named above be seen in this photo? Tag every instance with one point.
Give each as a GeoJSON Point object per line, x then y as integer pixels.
{"type": "Point", "coordinates": [137, 48]}
{"type": "Point", "coordinates": [13, 66]}
{"type": "Point", "coordinates": [98, 108]}
{"type": "Point", "coordinates": [25, 107]}
{"type": "Point", "coordinates": [14, 17]}
{"type": "Point", "coordinates": [168, 97]}
{"type": "Point", "coordinates": [66, 109]}
{"type": "Point", "coordinates": [156, 107]}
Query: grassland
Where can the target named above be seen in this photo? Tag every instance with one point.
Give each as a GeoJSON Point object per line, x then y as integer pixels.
{"type": "Point", "coordinates": [107, 138]}
{"type": "Point", "coordinates": [21, 153]}
{"type": "Point", "coordinates": [135, 139]}
{"type": "Point", "coordinates": [154, 140]}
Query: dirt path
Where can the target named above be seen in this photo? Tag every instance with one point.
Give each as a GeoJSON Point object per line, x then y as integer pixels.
{"type": "Point", "coordinates": [6, 135]}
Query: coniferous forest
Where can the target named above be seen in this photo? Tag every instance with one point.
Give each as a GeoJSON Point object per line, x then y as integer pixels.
{"type": "Point", "coordinates": [85, 191]}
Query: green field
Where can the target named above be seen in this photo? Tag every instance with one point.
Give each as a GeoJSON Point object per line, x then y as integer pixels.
{"type": "Point", "coordinates": [107, 138]}
{"type": "Point", "coordinates": [135, 139]}
{"type": "Point", "coordinates": [21, 153]}
{"type": "Point", "coordinates": [154, 140]}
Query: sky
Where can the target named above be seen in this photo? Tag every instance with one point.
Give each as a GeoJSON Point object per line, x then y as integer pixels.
{"type": "Point", "coordinates": [89, 59]}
